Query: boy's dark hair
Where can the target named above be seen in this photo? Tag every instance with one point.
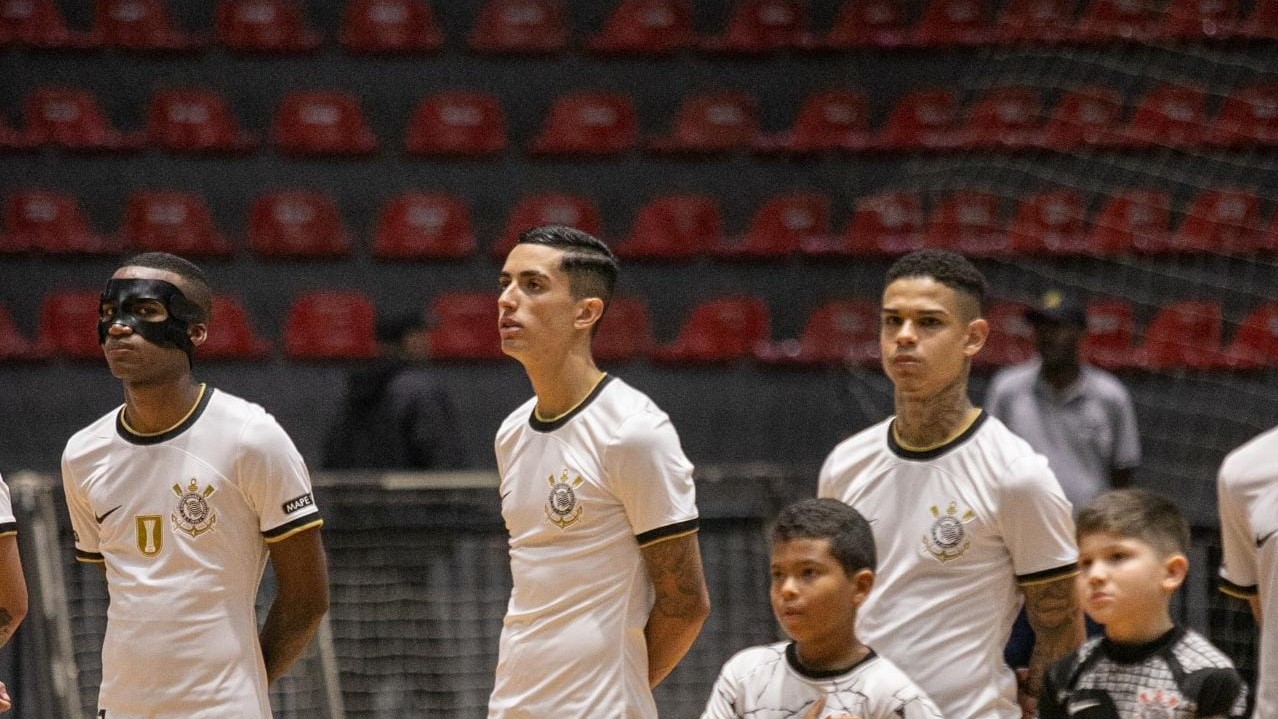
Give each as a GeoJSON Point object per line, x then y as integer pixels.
{"type": "Point", "coordinates": [590, 265]}
{"type": "Point", "coordinates": [199, 291]}
{"type": "Point", "coordinates": [1137, 514]}
{"type": "Point", "coordinates": [948, 268]}
{"type": "Point", "coordinates": [851, 541]}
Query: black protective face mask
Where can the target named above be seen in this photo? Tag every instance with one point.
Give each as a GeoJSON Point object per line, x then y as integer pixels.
{"type": "Point", "coordinates": [172, 331]}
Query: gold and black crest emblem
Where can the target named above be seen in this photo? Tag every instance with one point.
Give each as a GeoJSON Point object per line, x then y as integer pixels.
{"type": "Point", "coordinates": [193, 515]}
{"type": "Point", "coordinates": [562, 507]}
{"type": "Point", "coordinates": [947, 538]}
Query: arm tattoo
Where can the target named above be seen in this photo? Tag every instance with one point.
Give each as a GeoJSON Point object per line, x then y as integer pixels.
{"type": "Point", "coordinates": [1053, 612]}
{"type": "Point", "coordinates": [674, 567]}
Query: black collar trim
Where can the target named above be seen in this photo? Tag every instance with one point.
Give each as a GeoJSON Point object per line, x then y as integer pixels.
{"type": "Point", "coordinates": [1134, 653]}
{"type": "Point", "coordinates": [145, 439]}
{"type": "Point", "coordinates": [544, 426]}
{"type": "Point", "coordinates": [905, 453]}
{"type": "Point", "coordinates": [792, 658]}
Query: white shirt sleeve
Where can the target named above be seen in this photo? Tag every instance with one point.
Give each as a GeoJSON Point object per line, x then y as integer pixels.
{"type": "Point", "coordinates": [1036, 519]}
{"type": "Point", "coordinates": [274, 479]}
{"type": "Point", "coordinates": [1238, 561]}
{"type": "Point", "coordinates": [83, 524]}
{"type": "Point", "coordinates": [649, 473]}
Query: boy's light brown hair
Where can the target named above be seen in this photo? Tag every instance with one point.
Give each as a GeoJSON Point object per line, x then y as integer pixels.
{"type": "Point", "coordinates": [1137, 514]}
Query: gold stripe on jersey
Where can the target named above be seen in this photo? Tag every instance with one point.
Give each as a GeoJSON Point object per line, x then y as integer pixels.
{"type": "Point", "coordinates": [661, 534]}
{"type": "Point", "coordinates": [1047, 575]}
{"type": "Point", "coordinates": [89, 557]}
{"type": "Point", "coordinates": [287, 530]}
{"type": "Point", "coordinates": [185, 417]}
{"type": "Point", "coordinates": [1238, 591]}
{"type": "Point", "coordinates": [7, 528]}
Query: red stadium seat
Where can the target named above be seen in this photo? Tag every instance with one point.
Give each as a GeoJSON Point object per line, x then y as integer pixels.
{"type": "Point", "coordinates": [194, 120]}
{"type": "Point", "coordinates": [51, 221]}
{"type": "Point", "coordinates": [171, 221]}
{"type": "Point", "coordinates": [1255, 343]}
{"type": "Point", "coordinates": [711, 122]}
{"type": "Point", "coordinates": [296, 224]}
{"type": "Point", "coordinates": [1183, 335]}
{"type": "Point", "coordinates": [550, 208]}
{"type": "Point", "coordinates": [141, 25]}
{"type": "Point", "coordinates": [423, 226]}
{"type": "Point", "coordinates": [837, 333]}
{"type": "Point", "coordinates": [14, 345]}
{"type": "Point", "coordinates": [1036, 21]}
{"type": "Point", "coordinates": [588, 123]}
{"type": "Point", "coordinates": [1198, 19]}
{"type": "Point", "coordinates": [1247, 117]}
{"type": "Point", "coordinates": [465, 327]}
{"type": "Point", "coordinates": [457, 124]}
{"type": "Point", "coordinates": [520, 27]}
{"type": "Point", "coordinates": [73, 118]}
{"type": "Point", "coordinates": [780, 227]}
{"type": "Point", "coordinates": [1105, 21]}
{"type": "Point", "coordinates": [968, 222]}
{"type": "Point", "coordinates": [264, 26]}
{"type": "Point", "coordinates": [1131, 221]}
{"type": "Point", "coordinates": [828, 120]}
{"type": "Point", "coordinates": [40, 23]}
{"type": "Point", "coordinates": [964, 23]}
{"type": "Point", "coordinates": [231, 335]}
{"type": "Point", "coordinates": [1053, 222]}
{"type": "Point", "coordinates": [389, 27]}
{"type": "Point", "coordinates": [1222, 221]}
{"type": "Point", "coordinates": [330, 325]}
{"type": "Point", "coordinates": [322, 122]}
{"type": "Point", "coordinates": [1011, 338]}
{"type": "Point", "coordinates": [1108, 341]}
{"type": "Point", "coordinates": [863, 24]}
{"type": "Point", "coordinates": [645, 27]}
{"type": "Point", "coordinates": [69, 325]}
{"type": "Point", "coordinates": [1085, 117]}
{"type": "Point", "coordinates": [1007, 118]}
{"type": "Point", "coordinates": [1169, 116]}
{"type": "Point", "coordinates": [923, 119]}
{"type": "Point", "coordinates": [761, 26]}
{"type": "Point", "coordinates": [625, 332]}
{"type": "Point", "coordinates": [718, 330]}
{"type": "Point", "coordinates": [1262, 22]}
{"type": "Point", "coordinates": [888, 223]}
{"type": "Point", "coordinates": [673, 227]}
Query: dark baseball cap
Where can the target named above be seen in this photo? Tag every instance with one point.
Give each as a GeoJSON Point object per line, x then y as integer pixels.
{"type": "Point", "coordinates": [1057, 306]}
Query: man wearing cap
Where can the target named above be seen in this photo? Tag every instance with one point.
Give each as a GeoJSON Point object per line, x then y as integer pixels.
{"type": "Point", "coordinates": [1079, 416]}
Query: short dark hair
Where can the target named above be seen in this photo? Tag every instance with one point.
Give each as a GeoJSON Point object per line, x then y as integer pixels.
{"type": "Point", "coordinates": [200, 291]}
{"type": "Point", "coordinates": [949, 268]}
{"type": "Point", "coordinates": [590, 265]}
{"type": "Point", "coordinates": [1137, 514]}
{"type": "Point", "coordinates": [851, 541]}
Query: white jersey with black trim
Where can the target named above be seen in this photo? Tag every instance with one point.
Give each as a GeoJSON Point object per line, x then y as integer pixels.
{"type": "Point", "coordinates": [1247, 490]}
{"type": "Point", "coordinates": [182, 520]}
{"type": "Point", "coordinates": [959, 529]}
{"type": "Point", "coordinates": [8, 524]}
{"type": "Point", "coordinates": [769, 682]}
{"type": "Point", "coordinates": [581, 495]}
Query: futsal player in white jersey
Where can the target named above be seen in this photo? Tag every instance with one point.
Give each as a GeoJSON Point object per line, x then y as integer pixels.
{"type": "Point", "coordinates": [13, 587]}
{"type": "Point", "coordinates": [599, 501]}
{"type": "Point", "coordinates": [1247, 489]}
{"type": "Point", "coordinates": [183, 493]}
{"type": "Point", "coordinates": [968, 519]}
{"type": "Point", "coordinates": [822, 569]}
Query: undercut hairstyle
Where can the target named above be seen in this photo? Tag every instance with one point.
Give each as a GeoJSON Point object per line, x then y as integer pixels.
{"type": "Point", "coordinates": [197, 288]}
{"type": "Point", "coordinates": [590, 265]}
{"type": "Point", "coordinates": [849, 535]}
{"type": "Point", "coordinates": [1137, 514]}
{"type": "Point", "coordinates": [948, 268]}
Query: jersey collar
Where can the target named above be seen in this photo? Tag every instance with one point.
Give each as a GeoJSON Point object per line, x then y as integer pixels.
{"type": "Point", "coordinates": [127, 434]}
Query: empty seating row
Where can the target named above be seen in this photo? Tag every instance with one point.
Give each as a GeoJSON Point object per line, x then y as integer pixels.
{"type": "Point", "coordinates": [642, 26]}
{"type": "Point", "coordinates": [417, 225]}
{"type": "Point", "coordinates": [339, 325]}
{"type": "Point", "coordinates": [472, 123]}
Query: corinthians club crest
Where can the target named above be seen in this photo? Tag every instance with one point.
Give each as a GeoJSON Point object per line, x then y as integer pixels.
{"type": "Point", "coordinates": [947, 539]}
{"type": "Point", "coordinates": [562, 507]}
{"type": "Point", "coordinates": [193, 515]}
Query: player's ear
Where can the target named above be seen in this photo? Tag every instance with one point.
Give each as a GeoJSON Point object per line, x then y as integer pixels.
{"type": "Point", "coordinates": [978, 330]}
{"type": "Point", "coordinates": [1176, 567]}
{"type": "Point", "coordinates": [589, 311]}
{"type": "Point", "coordinates": [863, 581]}
{"type": "Point", "coordinates": [198, 332]}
